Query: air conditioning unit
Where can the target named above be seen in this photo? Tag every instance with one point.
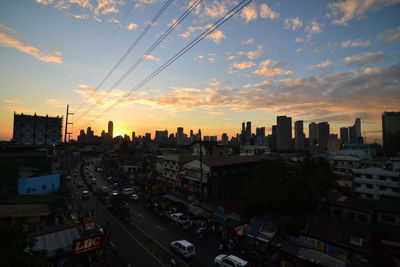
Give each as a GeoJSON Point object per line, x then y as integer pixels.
{"type": "Point", "coordinates": [357, 241]}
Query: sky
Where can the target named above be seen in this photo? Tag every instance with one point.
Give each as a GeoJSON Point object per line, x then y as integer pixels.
{"type": "Point", "coordinates": [314, 61]}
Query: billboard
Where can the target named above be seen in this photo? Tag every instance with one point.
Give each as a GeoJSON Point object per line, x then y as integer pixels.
{"type": "Point", "coordinates": [86, 245]}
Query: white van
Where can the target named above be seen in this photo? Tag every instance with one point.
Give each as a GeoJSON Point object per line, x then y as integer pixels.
{"type": "Point", "coordinates": [184, 248]}
{"type": "Point", "coordinates": [127, 191]}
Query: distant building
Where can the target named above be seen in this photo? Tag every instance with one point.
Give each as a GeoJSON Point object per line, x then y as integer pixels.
{"type": "Point", "coordinates": [344, 135]}
{"type": "Point", "coordinates": [323, 135]}
{"type": "Point", "coordinates": [260, 136]}
{"type": "Point", "coordinates": [224, 139]}
{"type": "Point", "coordinates": [313, 134]}
{"type": "Point", "coordinates": [111, 129]}
{"type": "Point", "coordinates": [179, 136]}
{"type": "Point", "coordinates": [391, 133]}
{"type": "Point", "coordinates": [133, 136]}
{"type": "Point", "coordinates": [248, 132]}
{"type": "Point", "coordinates": [333, 143]}
{"type": "Point", "coordinates": [34, 130]}
{"type": "Point", "coordinates": [272, 139]}
{"type": "Point", "coordinates": [284, 132]}
{"type": "Point", "coordinates": [298, 135]}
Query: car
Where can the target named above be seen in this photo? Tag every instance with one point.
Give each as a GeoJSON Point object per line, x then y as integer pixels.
{"type": "Point", "coordinates": [104, 189]}
{"type": "Point", "coordinates": [224, 260]}
{"type": "Point", "coordinates": [183, 248]}
{"type": "Point", "coordinates": [79, 184]}
{"type": "Point", "coordinates": [85, 195]}
{"type": "Point", "coordinates": [134, 197]}
{"type": "Point", "coordinates": [127, 191]}
{"type": "Point", "coordinates": [254, 256]}
{"type": "Point", "coordinates": [109, 178]}
{"type": "Point", "coordinates": [179, 218]}
{"type": "Point", "coordinates": [94, 181]}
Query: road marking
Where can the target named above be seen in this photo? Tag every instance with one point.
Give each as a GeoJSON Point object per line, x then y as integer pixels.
{"type": "Point", "coordinates": [159, 227]}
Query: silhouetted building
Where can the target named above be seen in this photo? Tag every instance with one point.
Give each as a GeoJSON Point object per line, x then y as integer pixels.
{"type": "Point", "coordinates": [34, 130]}
{"type": "Point", "coordinates": [391, 132]}
{"type": "Point", "coordinates": [224, 139]}
{"type": "Point", "coordinates": [344, 135]}
{"type": "Point", "coordinates": [272, 139]}
{"type": "Point", "coordinates": [179, 136]}
{"type": "Point", "coordinates": [323, 135]}
{"type": "Point", "coordinates": [260, 136]}
{"type": "Point", "coordinates": [111, 129]}
{"type": "Point", "coordinates": [284, 132]}
{"type": "Point", "coordinates": [313, 134]}
{"type": "Point", "coordinates": [298, 135]}
{"type": "Point", "coordinates": [248, 133]}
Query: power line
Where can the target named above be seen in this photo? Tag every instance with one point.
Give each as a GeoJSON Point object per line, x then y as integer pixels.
{"type": "Point", "coordinates": [143, 57]}
{"type": "Point", "coordinates": [103, 53]}
{"type": "Point", "coordinates": [189, 46]}
{"type": "Point", "coordinates": [149, 25]}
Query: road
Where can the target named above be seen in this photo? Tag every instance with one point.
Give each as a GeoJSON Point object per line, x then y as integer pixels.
{"type": "Point", "coordinates": [126, 244]}
{"type": "Point", "coordinates": [163, 231]}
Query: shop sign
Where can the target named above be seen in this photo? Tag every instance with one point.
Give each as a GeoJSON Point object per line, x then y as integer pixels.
{"type": "Point", "coordinates": [87, 245]}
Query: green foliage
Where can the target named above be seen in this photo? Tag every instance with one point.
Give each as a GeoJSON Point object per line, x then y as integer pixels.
{"type": "Point", "coordinates": [16, 247]}
{"type": "Point", "coordinates": [287, 189]}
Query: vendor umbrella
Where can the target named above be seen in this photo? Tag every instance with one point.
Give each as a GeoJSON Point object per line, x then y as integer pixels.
{"type": "Point", "coordinates": [243, 230]}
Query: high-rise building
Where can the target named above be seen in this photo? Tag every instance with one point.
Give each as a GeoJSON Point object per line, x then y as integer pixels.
{"type": "Point", "coordinates": [323, 135]}
{"type": "Point", "coordinates": [298, 135]}
{"type": "Point", "coordinates": [179, 136]}
{"type": "Point", "coordinates": [355, 133]}
{"type": "Point", "coordinates": [344, 135]}
{"type": "Point", "coordinates": [260, 136]}
{"type": "Point", "coordinates": [248, 133]}
{"type": "Point", "coordinates": [357, 126]}
{"type": "Point", "coordinates": [313, 134]}
{"type": "Point", "coordinates": [133, 136]}
{"type": "Point", "coordinates": [224, 139]}
{"type": "Point", "coordinates": [272, 139]}
{"type": "Point", "coordinates": [284, 132]}
{"type": "Point", "coordinates": [34, 130]}
{"type": "Point", "coordinates": [391, 132]}
{"type": "Point", "coordinates": [111, 129]}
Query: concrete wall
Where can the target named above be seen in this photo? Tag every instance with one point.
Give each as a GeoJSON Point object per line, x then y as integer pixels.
{"type": "Point", "coordinates": [40, 185]}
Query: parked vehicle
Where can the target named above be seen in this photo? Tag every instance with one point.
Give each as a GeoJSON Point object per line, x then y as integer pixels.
{"type": "Point", "coordinates": [184, 248]}
{"type": "Point", "coordinates": [134, 197]}
{"type": "Point", "coordinates": [79, 184]}
{"type": "Point", "coordinates": [94, 181]}
{"type": "Point", "coordinates": [85, 195]}
{"type": "Point", "coordinates": [179, 218]}
{"type": "Point", "coordinates": [230, 261]}
{"type": "Point", "coordinates": [127, 191]}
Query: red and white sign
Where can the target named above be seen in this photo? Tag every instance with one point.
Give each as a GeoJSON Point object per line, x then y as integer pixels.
{"type": "Point", "coordinates": [87, 244]}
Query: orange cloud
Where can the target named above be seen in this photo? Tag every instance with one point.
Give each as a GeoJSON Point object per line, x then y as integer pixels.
{"type": "Point", "coordinates": [10, 41]}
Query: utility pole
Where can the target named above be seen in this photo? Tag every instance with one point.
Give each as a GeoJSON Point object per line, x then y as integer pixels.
{"type": "Point", "coordinates": [201, 167]}
{"type": "Point", "coordinates": [65, 136]}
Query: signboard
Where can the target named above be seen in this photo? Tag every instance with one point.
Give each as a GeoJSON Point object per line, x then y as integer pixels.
{"type": "Point", "coordinates": [89, 219]}
{"type": "Point", "coordinates": [87, 245]}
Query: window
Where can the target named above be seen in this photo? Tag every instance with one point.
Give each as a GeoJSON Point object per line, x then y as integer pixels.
{"type": "Point", "coordinates": [382, 187]}
{"type": "Point", "coordinates": [389, 219]}
{"type": "Point", "coordinates": [369, 196]}
{"type": "Point", "coordinates": [358, 184]}
{"type": "Point", "coordinates": [28, 190]}
{"type": "Point", "coordinates": [394, 179]}
{"type": "Point", "coordinates": [369, 186]}
{"type": "Point", "coordinates": [369, 176]}
{"type": "Point", "coordinates": [44, 187]}
{"type": "Point", "coordinates": [395, 190]}
{"type": "Point", "coordinates": [382, 178]}
{"type": "Point", "coordinates": [338, 213]}
{"type": "Point", "coordinates": [350, 215]}
{"type": "Point", "coordinates": [362, 218]}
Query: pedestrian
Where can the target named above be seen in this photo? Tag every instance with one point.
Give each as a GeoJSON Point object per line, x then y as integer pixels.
{"type": "Point", "coordinates": [213, 228]}
{"type": "Point", "coordinates": [221, 246]}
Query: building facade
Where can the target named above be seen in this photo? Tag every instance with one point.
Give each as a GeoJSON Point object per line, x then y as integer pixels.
{"type": "Point", "coordinates": [284, 133]}
{"type": "Point", "coordinates": [391, 133]}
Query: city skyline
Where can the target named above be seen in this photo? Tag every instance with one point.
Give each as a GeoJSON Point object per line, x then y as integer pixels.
{"type": "Point", "coordinates": [312, 61]}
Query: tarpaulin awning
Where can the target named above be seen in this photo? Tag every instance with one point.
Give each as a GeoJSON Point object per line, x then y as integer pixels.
{"type": "Point", "coordinates": [256, 227]}
{"type": "Point", "coordinates": [197, 211]}
{"type": "Point", "coordinates": [218, 218]}
{"type": "Point", "coordinates": [54, 242]}
{"type": "Point", "coordinates": [319, 257]}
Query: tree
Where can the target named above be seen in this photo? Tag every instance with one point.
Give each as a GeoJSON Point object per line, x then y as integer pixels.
{"type": "Point", "coordinates": [16, 247]}
{"type": "Point", "coordinates": [287, 188]}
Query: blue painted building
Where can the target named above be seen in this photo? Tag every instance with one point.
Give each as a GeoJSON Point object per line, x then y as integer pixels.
{"type": "Point", "coordinates": [39, 185]}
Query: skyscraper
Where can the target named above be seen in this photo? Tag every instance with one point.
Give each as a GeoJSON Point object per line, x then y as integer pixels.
{"type": "Point", "coordinates": [111, 129]}
{"type": "Point", "coordinates": [391, 132]}
{"type": "Point", "coordinates": [298, 135]}
{"type": "Point", "coordinates": [313, 133]}
{"type": "Point", "coordinates": [344, 135]}
{"type": "Point", "coordinates": [284, 132]}
{"type": "Point", "coordinates": [323, 135]}
{"type": "Point", "coordinates": [260, 134]}
{"type": "Point", "coordinates": [179, 136]}
{"type": "Point", "coordinates": [355, 132]}
{"type": "Point", "coordinates": [248, 133]}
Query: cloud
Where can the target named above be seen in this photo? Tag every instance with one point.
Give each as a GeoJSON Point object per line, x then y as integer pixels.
{"type": "Point", "coordinates": [365, 93]}
{"type": "Point", "coordinates": [321, 65]}
{"type": "Point", "coordinates": [292, 23]}
{"type": "Point", "coordinates": [249, 13]}
{"type": "Point", "coordinates": [314, 27]}
{"type": "Point", "coordinates": [345, 11]}
{"type": "Point", "coordinates": [215, 9]}
{"type": "Point", "coordinates": [54, 102]}
{"type": "Point", "coordinates": [151, 57]}
{"type": "Point", "coordinates": [356, 43]}
{"type": "Point", "coordinates": [86, 86]}
{"type": "Point", "coordinates": [231, 57]}
{"type": "Point", "coordinates": [299, 40]}
{"type": "Point", "coordinates": [87, 8]}
{"type": "Point", "coordinates": [215, 82]}
{"type": "Point", "coordinates": [249, 41]}
{"type": "Point", "coordinates": [216, 36]}
{"type": "Point", "coordinates": [16, 101]}
{"type": "Point", "coordinates": [267, 12]}
{"type": "Point", "coordinates": [365, 59]}
{"type": "Point", "coordinates": [390, 36]}
{"type": "Point", "coordinates": [243, 65]}
{"type": "Point", "coordinates": [131, 27]}
{"type": "Point", "coordinates": [255, 53]}
{"type": "Point", "coordinates": [269, 68]}
{"type": "Point", "coordinates": [6, 39]}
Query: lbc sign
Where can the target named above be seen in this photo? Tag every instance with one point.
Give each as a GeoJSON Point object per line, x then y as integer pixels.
{"type": "Point", "coordinates": [87, 244]}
